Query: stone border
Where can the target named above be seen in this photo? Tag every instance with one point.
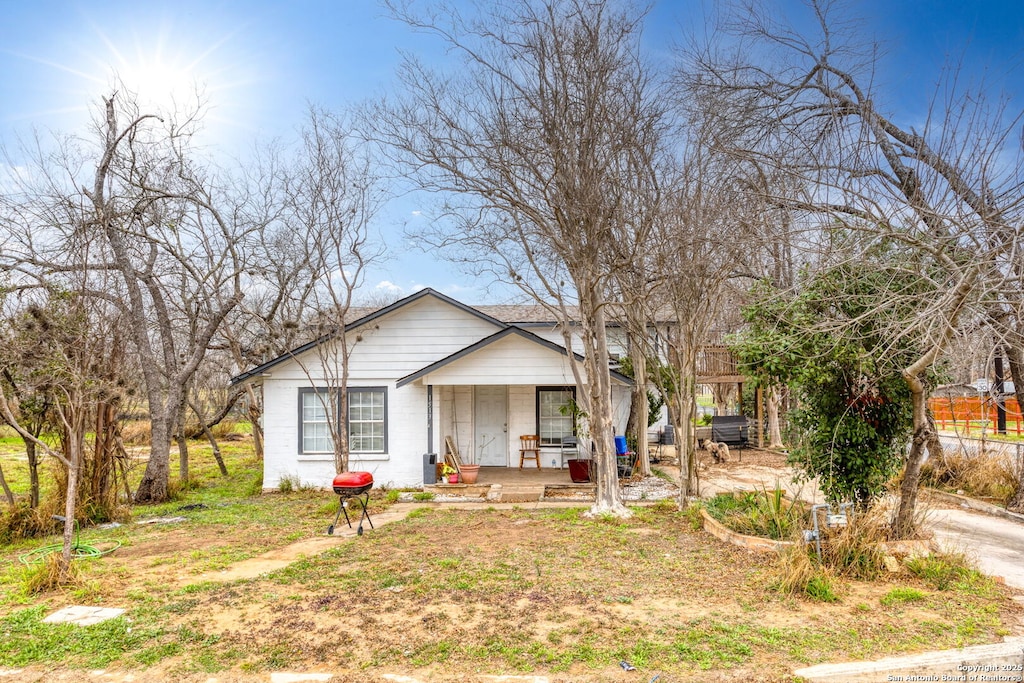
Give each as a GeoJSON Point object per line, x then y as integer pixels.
{"type": "Point", "coordinates": [755, 543]}
{"type": "Point", "coordinates": [999, 661]}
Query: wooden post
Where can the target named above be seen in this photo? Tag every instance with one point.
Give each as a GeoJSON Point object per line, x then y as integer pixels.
{"type": "Point", "coordinates": [759, 414]}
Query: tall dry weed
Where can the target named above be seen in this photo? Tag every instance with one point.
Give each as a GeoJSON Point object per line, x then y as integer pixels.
{"type": "Point", "coordinates": [980, 475]}
{"type": "Point", "coordinates": [856, 550]}
{"type": "Point", "coordinates": [136, 433]}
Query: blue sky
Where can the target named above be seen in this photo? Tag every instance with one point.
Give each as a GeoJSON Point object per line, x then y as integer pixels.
{"type": "Point", "coordinates": [261, 62]}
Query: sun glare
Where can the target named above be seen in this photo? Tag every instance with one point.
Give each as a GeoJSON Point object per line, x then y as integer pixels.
{"type": "Point", "coordinates": [165, 85]}
{"type": "Point", "coordinates": [170, 66]}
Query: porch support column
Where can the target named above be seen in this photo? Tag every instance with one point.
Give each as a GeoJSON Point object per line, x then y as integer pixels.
{"type": "Point", "coordinates": [430, 419]}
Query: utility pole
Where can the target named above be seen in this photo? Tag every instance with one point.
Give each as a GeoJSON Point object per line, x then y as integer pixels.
{"type": "Point", "coordinates": [1000, 400]}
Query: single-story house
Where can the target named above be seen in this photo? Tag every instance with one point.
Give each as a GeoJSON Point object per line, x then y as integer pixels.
{"type": "Point", "coordinates": [423, 369]}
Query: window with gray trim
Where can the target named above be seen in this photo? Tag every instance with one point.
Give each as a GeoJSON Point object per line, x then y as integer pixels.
{"type": "Point", "coordinates": [367, 420]}
{"type": "Point", "coordinates": [315, 433]}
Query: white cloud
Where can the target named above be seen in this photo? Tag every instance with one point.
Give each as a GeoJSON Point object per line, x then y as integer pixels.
{"type": "Point", "coordinates": [387, 286]}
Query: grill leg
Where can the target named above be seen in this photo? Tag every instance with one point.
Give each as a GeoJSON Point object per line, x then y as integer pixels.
{"type": "Point", "coordinates": [341, 509]}
{"type": "Point", "coordinates": [363, 500]}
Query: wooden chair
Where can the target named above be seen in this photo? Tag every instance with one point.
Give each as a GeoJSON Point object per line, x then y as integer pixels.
{"type": "Point", "coordinates": [529, 444]}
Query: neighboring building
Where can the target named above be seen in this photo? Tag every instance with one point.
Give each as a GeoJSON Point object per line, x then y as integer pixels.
{"type": "Point", "coordinates": [422, 369]}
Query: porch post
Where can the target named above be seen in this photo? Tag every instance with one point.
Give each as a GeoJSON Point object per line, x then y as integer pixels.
{"type": "Point", "coordinates": [430, 418]}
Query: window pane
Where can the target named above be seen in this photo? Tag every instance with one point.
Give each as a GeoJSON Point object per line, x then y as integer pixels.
{"type": "Point", "coordinates": [316, 434]}
{"type": "Point", "coordinates": [366, 420]}
{"type": "Point", "coordinates": [554, 407]}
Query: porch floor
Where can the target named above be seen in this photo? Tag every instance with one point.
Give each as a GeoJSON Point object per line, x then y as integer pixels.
{"type": "Point", "coordinates": [513, 476]}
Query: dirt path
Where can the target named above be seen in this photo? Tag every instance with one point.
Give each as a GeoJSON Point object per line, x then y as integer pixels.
{"type": "Point", "coordinates": [280, 558]}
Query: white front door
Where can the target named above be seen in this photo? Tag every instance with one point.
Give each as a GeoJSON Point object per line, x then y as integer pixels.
{"type": "Point", "coordinates": [490, 432]}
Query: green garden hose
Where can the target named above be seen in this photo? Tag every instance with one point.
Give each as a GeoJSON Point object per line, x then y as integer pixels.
{"type": "Point", "coordinates": [78, 549]}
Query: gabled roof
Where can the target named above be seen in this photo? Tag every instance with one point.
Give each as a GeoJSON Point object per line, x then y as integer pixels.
{"type": "Point", "coordinates": [359, 322]}
{"type": "Point", "coordinates": [487, 341]}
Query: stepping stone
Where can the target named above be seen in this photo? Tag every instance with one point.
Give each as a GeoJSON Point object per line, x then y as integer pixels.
{"type": "Point", "coordinates": [81, 615]}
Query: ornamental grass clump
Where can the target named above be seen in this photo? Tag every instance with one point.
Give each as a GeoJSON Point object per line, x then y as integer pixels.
{"type": "Point", "coordinates": [759, 513]}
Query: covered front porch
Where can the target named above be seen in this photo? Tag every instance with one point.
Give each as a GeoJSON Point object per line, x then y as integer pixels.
{"type": "Point", "coordinates": [506, 485]}
{"type": "Point", "coordinates": [482, 399]}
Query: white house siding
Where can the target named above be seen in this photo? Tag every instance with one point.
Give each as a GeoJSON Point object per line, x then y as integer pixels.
{"type": "Point", "coordinates": [617, 341]}
{"type": "Point", "coordinates": [506, 361]}
{"type": "Point", "coordinates": [394, 346]}
{"type": "Point", "coordinates": [383, 351]}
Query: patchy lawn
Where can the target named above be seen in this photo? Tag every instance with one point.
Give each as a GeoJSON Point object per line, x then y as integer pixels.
{"type": "Point", "coordinates": [446, 592]}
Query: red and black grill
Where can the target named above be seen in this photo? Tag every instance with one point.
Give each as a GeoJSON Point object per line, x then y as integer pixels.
{"type": "Point", "coordinates": [352, 485]}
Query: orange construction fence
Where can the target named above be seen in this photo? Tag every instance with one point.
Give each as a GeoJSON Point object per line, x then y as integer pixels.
{"type": "Point", "coordinates": [978, 413]}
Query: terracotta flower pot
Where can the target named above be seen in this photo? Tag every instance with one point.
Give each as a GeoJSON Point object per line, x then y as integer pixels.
{"type": "Point", "coordinates": [470, 473]}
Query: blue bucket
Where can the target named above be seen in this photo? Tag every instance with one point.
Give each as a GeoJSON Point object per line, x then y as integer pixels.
{"type": "Point", "coordinates": [620, 445]}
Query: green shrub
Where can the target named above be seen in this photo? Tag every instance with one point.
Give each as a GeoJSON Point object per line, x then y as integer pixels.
{"type": "Point", "coordinates": [945, 570]}
{"type": "Point", "coordinates": [901, 595]}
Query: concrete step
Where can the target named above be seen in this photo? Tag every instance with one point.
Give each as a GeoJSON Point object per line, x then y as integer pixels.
{"type": "Point", "coordinates": [521, 493]}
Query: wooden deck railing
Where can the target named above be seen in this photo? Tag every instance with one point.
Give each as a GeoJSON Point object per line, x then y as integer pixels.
{"type": "Point", "coordinates": [716, 361]}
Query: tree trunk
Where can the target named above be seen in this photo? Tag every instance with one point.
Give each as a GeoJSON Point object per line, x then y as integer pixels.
{"type": "Point", "coordinates": [153, 487]}
{"type": "Point", "coordinates": [8, 494]}
{"type": "Point", "coordinates": [638, 413]}
{"type": "Point", "coordinates": [208, 433]}
{"type": "Point", "coordinates": [75, 426]}
{"type": "Point", "coordinates": [1015, 359]}
{"type": "Point", "coordinates": [608, 499]}
{"type": "Point", "coordinates": [182, 441]}
{"type": "Point", "coordinates": [773, 399]}
{"type": "Point", "coordinates": [255, 412]}
{"type": "Point", "coordinates": [903, 525]}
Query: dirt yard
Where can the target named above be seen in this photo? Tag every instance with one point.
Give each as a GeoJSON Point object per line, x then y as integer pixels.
{"type": "Point", "coordinates": [442, 593]}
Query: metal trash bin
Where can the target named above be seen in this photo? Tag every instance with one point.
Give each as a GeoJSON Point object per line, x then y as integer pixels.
{"type": "Point", "coordinates": [429, 468]}
{"type": "Point", "coordinates": [668, 436]}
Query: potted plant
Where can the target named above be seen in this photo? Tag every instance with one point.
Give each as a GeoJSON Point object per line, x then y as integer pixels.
{"type": "Point", "coordinates": [449, 473]}
{"type": "Point", "coordinates": [471, 470]}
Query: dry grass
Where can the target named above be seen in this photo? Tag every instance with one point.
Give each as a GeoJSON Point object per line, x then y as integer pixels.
{"type": "Point", "coordinates": [51, 574]}
{"type": "Point", "coordinates": [979, 475]}
{"type": "Point", "coordinates": [137, 432]}
{"type": "Point", "coordinates": [19, 521]}
{"type": "Point", "coordinates": [855, 550]}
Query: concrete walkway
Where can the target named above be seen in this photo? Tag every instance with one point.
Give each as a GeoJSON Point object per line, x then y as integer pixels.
{"type": "Point", "coordinates": [996, 544]}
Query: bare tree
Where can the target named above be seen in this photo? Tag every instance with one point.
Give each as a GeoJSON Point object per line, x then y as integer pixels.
{"type": "Point", "coordinates": [807, 106]}
{"type": "Point", "coordinates": [332, 196]}
{"type": "Point", "coordinates": [696, 253]}
{"type": "Point", "coordinates": [543, 146]}
{"type": "Point", "coordinates": [62, 340]}
{"type": "Point", "coordinates": [143, 211]}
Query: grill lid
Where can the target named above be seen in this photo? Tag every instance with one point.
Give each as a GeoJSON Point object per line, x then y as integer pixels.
{"type": "Point", "coordinates": [351, 480]}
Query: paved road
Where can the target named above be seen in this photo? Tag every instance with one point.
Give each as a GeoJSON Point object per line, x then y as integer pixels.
{"type": "Point", "coordinates": [996, 543]}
